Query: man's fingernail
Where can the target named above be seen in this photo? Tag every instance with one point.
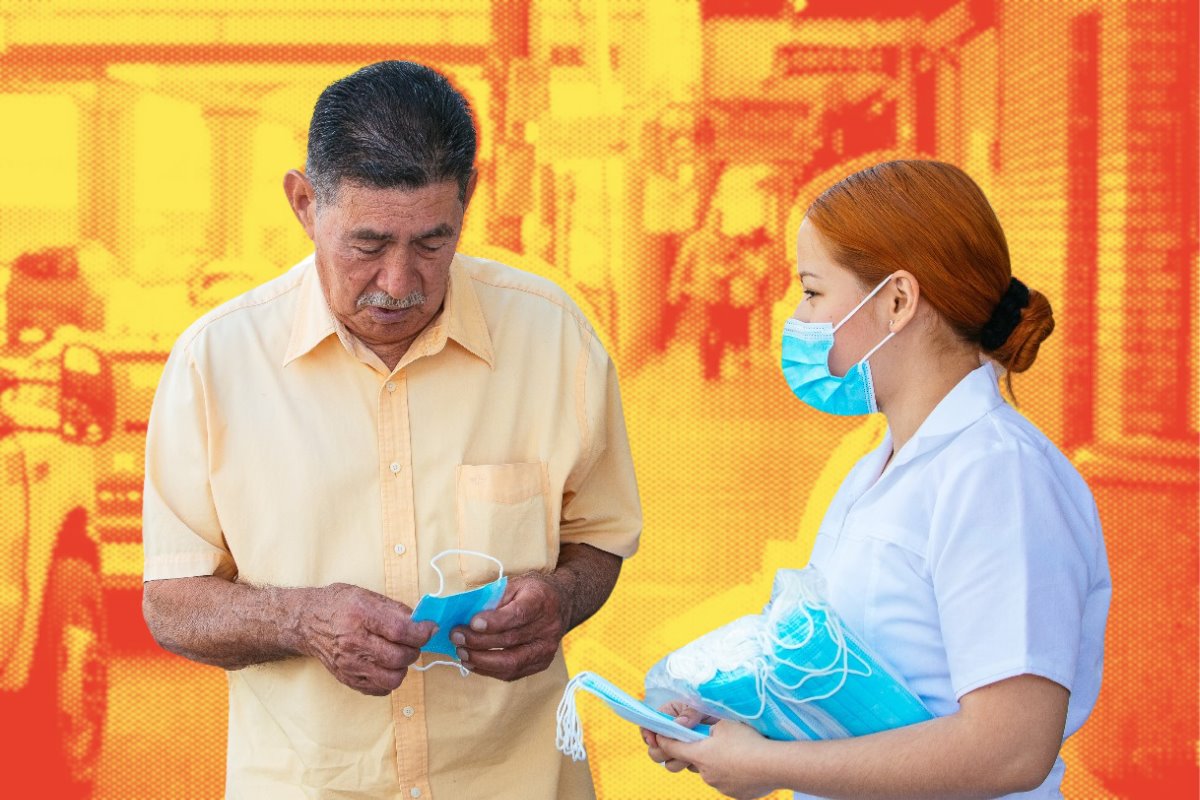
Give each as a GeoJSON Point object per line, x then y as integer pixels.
{"type": "Point", "coordinates": [478, 625]}
{"type": "Point", "coordinates": [458, 638]}
{"type": "Point", "coordinates": [463, 654]}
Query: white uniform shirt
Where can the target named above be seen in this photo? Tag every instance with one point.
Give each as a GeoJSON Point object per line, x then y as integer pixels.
{"type": "Point", "coordinates": [976, 556]}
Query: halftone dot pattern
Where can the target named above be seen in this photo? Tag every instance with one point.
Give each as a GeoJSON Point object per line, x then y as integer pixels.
{"type": "Point", "coordinates": [142, 185]}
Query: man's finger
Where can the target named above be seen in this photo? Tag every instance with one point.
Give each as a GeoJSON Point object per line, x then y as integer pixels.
{"type": "Point", "coordinates": [463, 636]}
{"type": "Point", "coordinates": [373, 680]}
{"type": "Point", "coordinates": [516, 662]}
{"type": "Point", "coordinates": [523, 608]}
{"type": "Point", "coordinates": [390, 655]}
{"type": "Point", "coordinates": [396, 625]}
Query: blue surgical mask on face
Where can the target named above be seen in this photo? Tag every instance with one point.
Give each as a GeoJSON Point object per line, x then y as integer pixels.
{"type": "Point", "coordinates": [806, 348]}
{"type": "Point", "coordinates": [450, 611]}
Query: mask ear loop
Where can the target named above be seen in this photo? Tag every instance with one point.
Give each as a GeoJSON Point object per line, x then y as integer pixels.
{"type": "Point", "coordinates": [759, 668]}
{"type": "Point", "coordinates": [863, 302]}
{"type": "Point", "coordinates": [854, 311]}
{"type": "Point", "coordinates": [840, 662]}
{"type": "Point", "coordinates": [442, 578]}
{"type": "Point", "coordinates": [871, 352]}
{"type": "Point", "coordinates": [569, 730]}
{"type": "Point", "coordinates": [441, 586]}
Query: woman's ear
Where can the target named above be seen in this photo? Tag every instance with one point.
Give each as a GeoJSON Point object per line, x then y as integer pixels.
{"type": "Point", "coordinates": [903, 295]}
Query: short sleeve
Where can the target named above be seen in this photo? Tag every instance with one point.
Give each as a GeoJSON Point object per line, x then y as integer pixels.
{"type": "Point", "coordinates": [601, 507]}
{"type": "Point", "coordinates": [1009, 571]}
{"type": "Point", "coordinates": [181, 534]}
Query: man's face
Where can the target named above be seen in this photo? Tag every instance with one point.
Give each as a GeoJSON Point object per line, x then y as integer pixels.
{"type": "Point", "coordinates": [383, 256]}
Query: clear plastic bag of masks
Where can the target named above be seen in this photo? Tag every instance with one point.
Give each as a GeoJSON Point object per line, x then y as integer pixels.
{"type": "Point", "coordinates": [795, 671]}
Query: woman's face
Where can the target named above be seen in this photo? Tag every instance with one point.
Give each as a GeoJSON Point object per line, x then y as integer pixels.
{"type": "Point", "coordinates": [830, 293]}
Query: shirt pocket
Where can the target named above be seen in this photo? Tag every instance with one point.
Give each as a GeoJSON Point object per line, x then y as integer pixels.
{"type": "Point", "coordinates": [504, 511]}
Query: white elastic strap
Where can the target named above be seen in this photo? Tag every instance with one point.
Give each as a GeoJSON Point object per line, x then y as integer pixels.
{"type": "Point", "coordinates": [871, 352]}
{"type": "Point", "coordinates": [442, 585]}
{"type": "Point", "coordinates": [863, 302]}
{"type": "Point", "coordinates": [569, 736]}
{"type": "Point", "coordinates": [442, 578]}
{"type": "Point", "coordinates": [840, 662]}
{"type": "Point", "coordinates": [462, 670]}
{"type": "Point", "coordinates": [760, 690]}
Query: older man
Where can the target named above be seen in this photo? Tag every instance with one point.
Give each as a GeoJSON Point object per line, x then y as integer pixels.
{"type": "Point", "coordinates": [317, 441]}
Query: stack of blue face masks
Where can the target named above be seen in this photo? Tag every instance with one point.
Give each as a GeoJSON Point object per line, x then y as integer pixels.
{"type": "Point", "coordinates": [792, 672]}
{"type": "Point", "coordinates": [725, 671]}
{"type": "Point", "coordinates": [822, 672]}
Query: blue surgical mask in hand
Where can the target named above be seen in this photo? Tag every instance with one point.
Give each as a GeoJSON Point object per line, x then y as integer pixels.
{"type": "Point", "coordinates": [450, 611]}
{"type": "Point", "coordinates": [569, 739]}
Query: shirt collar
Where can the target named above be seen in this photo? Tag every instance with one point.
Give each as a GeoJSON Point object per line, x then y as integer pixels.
{"type": "Point", "coordinates": [313, 322]}
{"type": "Point", "coordinates": [974, 396]}
{"type": "Point", "coordinates": [461, 320]}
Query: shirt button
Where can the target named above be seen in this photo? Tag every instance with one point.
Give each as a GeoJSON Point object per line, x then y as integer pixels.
{"type": "Point", "coordinates": [390, 386]}
{"type": "Point", "coordinates": [399, 549]}
{"type": "Point", "coordinates": [415, 791]}
{"type": "Point", "coordinates": [395, 467]}
{"type": "Point", "coordinates": [408, 711]}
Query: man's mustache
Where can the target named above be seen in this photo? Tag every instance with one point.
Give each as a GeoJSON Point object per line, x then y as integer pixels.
{"type": "Point", "coordinates": [385, 300]}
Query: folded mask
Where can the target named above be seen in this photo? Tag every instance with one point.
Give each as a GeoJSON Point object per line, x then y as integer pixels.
{"type": "Point", "coordinates": [570, 730]}
{"type": "Point", "coordinates": [451, 610]}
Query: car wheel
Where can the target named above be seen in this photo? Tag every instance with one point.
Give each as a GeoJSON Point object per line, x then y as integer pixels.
{"type": "Point", "coordinates": [69, 682]}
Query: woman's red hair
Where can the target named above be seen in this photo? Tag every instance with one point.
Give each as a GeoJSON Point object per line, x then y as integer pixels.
{"type": "Point", "coordinates": [931, 219]}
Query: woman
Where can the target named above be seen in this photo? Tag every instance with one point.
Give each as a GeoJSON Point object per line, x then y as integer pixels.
{"type": "Point", "coordinates": [965, 550]}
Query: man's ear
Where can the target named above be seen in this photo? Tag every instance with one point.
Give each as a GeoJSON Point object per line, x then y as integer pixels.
{"type": "Point", "coordinates": [302, 198]}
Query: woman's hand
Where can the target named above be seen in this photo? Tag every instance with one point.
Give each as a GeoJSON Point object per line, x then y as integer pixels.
{"type": "Point", "coordinates": [727, 760]}
{"type": "Point", "coordinates": [686, 716]}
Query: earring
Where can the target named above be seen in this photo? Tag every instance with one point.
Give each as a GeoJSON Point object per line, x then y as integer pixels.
{"type": "Point", "coordinates": [891, 324]}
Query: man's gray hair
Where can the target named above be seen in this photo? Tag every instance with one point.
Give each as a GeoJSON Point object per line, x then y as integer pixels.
{"type": "Point", "coordinates": [394, 124]}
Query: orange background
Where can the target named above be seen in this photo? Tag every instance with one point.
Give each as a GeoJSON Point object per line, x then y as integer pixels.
{"type": "Point", "coordinates": [152, 137]}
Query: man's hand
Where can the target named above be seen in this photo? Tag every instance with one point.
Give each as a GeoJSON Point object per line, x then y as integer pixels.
{"type": "Point", "coordinates": [364, 639]}
{"type": "Point", "coordinates": [521, 635]}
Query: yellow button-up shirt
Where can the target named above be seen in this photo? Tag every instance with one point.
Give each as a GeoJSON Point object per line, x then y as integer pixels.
{"type": "Point", "coordinates": [281, 451]}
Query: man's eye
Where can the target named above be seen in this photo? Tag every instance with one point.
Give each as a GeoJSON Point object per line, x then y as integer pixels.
{"type": "Point", "coordinates": [426, 247]}
{"type": "Point", "coordinates": [369, 251]}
